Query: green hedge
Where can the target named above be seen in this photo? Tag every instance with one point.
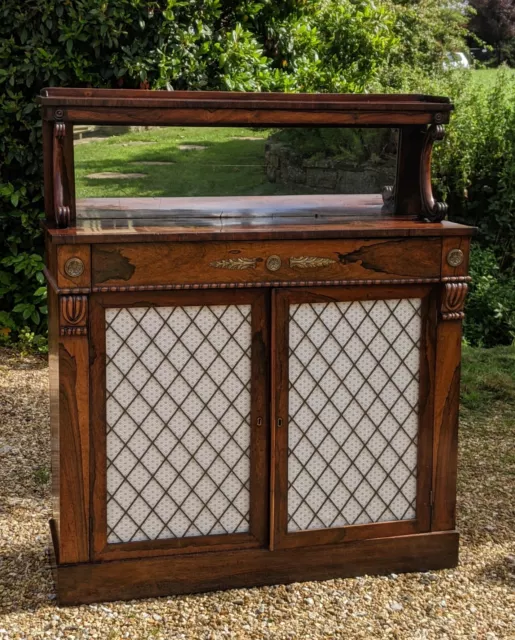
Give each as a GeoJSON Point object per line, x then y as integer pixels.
{"type": "Point", "coordinates": [474, 170]}
{"type": "Point", "coordinates": [296, 45]}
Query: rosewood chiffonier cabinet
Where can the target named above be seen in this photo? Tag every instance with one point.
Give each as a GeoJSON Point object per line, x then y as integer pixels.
{"type": "Point", "coordinates": [250, 390]}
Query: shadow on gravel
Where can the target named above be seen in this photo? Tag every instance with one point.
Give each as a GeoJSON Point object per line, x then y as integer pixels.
{"type": "Point", "coordinates": [500, 572]}
{"type": "Point", "coordinates": [26, 582]}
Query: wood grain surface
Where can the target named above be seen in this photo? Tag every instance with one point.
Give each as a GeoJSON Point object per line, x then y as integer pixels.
{"type": "Point", "coordinates": [153, 577]}
{"type": "Point", "coordinates": [163, 263]}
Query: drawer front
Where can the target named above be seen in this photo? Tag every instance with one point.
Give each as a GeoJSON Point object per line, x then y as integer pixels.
{"type": "Point", "coordinates": [190, 263]}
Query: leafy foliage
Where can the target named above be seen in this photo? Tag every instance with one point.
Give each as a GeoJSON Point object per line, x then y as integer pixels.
{"type": "Point", "coordinates": [494, 22]}
{"type": "Point", "coordinates": [474, 170]}
{"type": "Point", "coordinates": [352, 145]}
{"type": "Point", "coordinates": [490, 317]}
{"type": "Point", "coordinates": [244, 45]}
{"type": "Point", "coordinates": [475, 164]}
{"type": "Point", "coordinates": [428, 31]}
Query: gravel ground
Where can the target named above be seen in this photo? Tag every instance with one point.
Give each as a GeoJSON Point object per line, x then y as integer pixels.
{"type": "Point", "coordinates": [476, 600]}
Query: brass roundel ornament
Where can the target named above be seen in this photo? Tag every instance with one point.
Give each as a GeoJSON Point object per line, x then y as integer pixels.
{"type": "Point", "coordinates": [273, 263]}
{"type": "Point", "coordinates": [455, 257]}
{"type": "Point", "coordinates": [74, 267]}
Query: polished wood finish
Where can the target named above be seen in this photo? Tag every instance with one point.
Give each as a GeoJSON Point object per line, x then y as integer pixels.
{"type": "Point", "coordinates": [434, 211]}
{"type": "Point", "coordinates": [413, 191]}
{"type": "Point", "coordinates": [47, 128]}
{"type": "Point", "coordinates": [419, 118]}
{"type": "Point", "coordinates": [113, 97]}
{"type": "Point", "coordinates": [448, 354]}
{"type": "Point", "coordinates": [122, 265]}
{"type": "Point", "coordinates": [66, 253]}
{"type": "Point", "coordinates": [88, 106]}
{"type": "Point", "coordinates": [153, 577]}
{"type": "Point", "coordinates": [447, 392]}
{"type": "Point", "coordinates": [69, 410]}
{"type": "Point", "coordinates": [63, 174]}
{"type": "Point", "coordinates": [407, 194]}
{"type": "Point", "coordinates": [268, 252]}
{"type": "Point", "coordinates": [169, 230]}
{"type": "Point", "coordinates": [224, 114]}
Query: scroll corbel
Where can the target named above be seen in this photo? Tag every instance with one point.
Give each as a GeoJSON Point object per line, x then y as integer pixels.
{"type": "Point", "coordinates": [62, 210]}
{"type": "Point", "coordinates": [432, 210]}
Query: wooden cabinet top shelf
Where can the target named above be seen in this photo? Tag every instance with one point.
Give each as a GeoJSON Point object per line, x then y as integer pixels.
{"type": "Point", "coordinates": [101, 220]}
{"type": "Point", "coordinates": [417, 120]}
{"type": "Point", "coordinates": [134, 106]}
{"type": "Point", "coordinates": [66, 96]}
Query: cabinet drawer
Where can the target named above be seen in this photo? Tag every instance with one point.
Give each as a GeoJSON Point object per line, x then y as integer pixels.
{"type": "Point", "coordinates": [192, 263]}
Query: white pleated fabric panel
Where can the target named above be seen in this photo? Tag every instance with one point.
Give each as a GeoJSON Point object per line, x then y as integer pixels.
{"type": "Point", "coordinates": [178, 421]}
{"type": "Point", "coordinates": [353, 412]}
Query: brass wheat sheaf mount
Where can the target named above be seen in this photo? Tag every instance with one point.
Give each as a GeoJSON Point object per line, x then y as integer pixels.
{"type": "Point", "coordinates": [310, 262]}
{"type": "Point", "coordinates": [235, 263]}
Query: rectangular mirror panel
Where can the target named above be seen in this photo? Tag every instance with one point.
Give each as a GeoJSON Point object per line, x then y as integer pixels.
{"type": "Point", "coordinates": [140, 167]}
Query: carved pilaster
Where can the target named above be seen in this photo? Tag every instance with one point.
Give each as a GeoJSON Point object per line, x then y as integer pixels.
{"type": "Point", "coordinates": [73, 315]}
{"type": "Point", "coordinates": [453, 300]}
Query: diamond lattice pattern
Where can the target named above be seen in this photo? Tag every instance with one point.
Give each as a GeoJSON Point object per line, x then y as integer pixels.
{"type": "Point", "coordinates": [178, 421]}
{"type": "Point", "coordinates": [353, 412]}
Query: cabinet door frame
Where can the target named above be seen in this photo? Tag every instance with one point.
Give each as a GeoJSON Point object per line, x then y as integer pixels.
{"type": "Point", "coordinates": [258, 534]}
{"type": "Point", "coordinates": [281, 300]}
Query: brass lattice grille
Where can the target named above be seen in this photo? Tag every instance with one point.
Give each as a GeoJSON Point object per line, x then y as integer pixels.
{"type": "Point", "coordinates": [178, 421]}
{"type": "Point", "coordinates": [353, 412]}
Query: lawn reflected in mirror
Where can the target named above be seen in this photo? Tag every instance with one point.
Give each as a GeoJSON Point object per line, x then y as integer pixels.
{"type": "Point", "coordinates": [129, 162]}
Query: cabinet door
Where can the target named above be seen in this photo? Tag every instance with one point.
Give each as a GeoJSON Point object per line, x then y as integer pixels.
{"type": "Point", "coordinates": [179, 422]}
{"type": "Point", "coordinates": [352, 375]}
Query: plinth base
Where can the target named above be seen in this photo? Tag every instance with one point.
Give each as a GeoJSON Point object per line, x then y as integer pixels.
{"type": "Point", "coordinates": [197, 572]}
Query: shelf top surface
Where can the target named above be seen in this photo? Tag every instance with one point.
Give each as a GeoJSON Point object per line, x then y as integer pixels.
{"type": "Point", "coordinates": [65, 96]}
{"type": "Point", "coordinates": [106, 220]}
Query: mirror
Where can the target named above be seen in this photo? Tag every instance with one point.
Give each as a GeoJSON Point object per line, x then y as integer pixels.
{"type": "Point", "coordinates": [179, 162]}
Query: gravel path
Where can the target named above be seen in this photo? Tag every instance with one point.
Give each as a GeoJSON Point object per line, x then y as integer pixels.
{"type": "Point", "coordinates": [476, 600]}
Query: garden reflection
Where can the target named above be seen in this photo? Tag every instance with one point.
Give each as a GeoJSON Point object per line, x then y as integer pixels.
{"type": "Point", "coordinates": [232, 161]}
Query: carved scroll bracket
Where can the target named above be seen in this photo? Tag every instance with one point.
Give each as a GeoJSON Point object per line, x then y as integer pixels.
{"type": "Point", "coordinates": [62, 210]}
{"type": "Point", "coordinates": [73, 315]}
{"type": "Point", "coordinates": [453, 300]}
{"type": "Point", "coordinates": [432, 211]}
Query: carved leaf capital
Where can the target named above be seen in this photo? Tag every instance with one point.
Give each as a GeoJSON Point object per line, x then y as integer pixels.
{"type": "Point", "coordinates": [59, 130]}
{"type": "Point", "coordinates": [453, 300]}
{"type": "Point", "coordinates": [74, 315]}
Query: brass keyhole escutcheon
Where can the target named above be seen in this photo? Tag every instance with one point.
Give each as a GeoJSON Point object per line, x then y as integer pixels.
{"type": "Point", "coordinates": [273, 263]}
{"type": "Point", "coordinates": [74, 267]}
{"type": "Point", "coordinates": [455, 257]}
